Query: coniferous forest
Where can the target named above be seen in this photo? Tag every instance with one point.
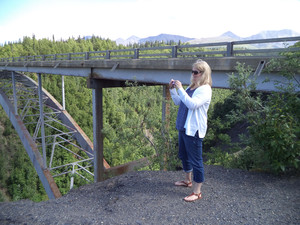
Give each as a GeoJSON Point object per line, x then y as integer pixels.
{"type": "Point", "coordinates": [133, 126]}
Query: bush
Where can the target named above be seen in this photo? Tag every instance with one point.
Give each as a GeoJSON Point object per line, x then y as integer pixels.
{"type": "Point", "coordinates": [274, 124]}
{"type": "Point", "coordinates": [273, 120]}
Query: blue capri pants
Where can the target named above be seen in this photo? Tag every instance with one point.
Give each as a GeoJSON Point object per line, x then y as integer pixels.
{"type": "Point", "coordinates": [190, 153]}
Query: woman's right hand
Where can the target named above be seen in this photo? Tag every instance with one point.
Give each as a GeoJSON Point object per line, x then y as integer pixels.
{"type": "Point", "coordinates": [172, 84]}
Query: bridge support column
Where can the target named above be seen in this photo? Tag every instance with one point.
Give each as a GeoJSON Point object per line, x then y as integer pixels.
{"type": "Point", "coordinates": [166, 104]}
{"type": "Point", "coordinates": [14, 92]}
{"type": "Point", "coordinates": [166, 116]}
{"type": "Point", "coordinates": [63, 92]}
{"type": "Point", "coordinates": [98, 135]}
{"type": "Point", "coordinates": [40, 92]}
{"type": "Point", "coordinates": [97, 86]}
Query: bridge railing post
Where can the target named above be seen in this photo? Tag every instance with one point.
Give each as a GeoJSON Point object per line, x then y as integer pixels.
{"type": "Point", "coordinates": [107, 54]}
{"type": "Point", "coordinates": [174, 51]}
{"type": "Point", "coordinates": [87, 55]}
{"type": "Point", "coordinates": [136, 53]}
{"type": "Point", "coordinates": [69, 56]}
{"type": "Point", "coordinates": [229, 52]}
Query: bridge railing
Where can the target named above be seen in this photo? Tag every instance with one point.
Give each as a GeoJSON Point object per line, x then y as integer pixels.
{"type": "Point", "coordinates": [261, 47]}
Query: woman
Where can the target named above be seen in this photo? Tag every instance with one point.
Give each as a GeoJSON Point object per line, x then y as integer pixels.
{"type": "Point", "coordinates": [191, 124]}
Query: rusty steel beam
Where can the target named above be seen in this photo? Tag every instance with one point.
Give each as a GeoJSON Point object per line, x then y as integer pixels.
{"type": "Point", "coordinates": [127, 167]}
{"type": "Point", "coordinates": [97, 85]}
{"type": "Point", "coordinates": [83, 140]}
{"type": "Point", "coordinates": [40, 93]}
{"type": "Point", "coordinates": [166, 116]}
{"type": "Point", "coordinates": [31, 148]}
{"type": "Point", "coordinates": [94, 83]}
{"type": "Point", "coordinates": [44, 173]}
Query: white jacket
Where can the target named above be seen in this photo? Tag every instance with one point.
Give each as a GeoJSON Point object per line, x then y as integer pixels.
{"type": "Point", "coordinates": [197, 105]}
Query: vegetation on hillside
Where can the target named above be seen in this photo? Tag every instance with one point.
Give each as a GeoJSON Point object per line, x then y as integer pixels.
{"type": "Point", "coordinates": [273, 120]}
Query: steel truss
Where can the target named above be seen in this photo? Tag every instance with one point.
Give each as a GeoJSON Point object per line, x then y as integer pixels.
{"type": "Point", "coordinates": [23, 93]}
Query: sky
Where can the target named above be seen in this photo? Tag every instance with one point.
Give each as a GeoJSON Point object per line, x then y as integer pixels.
{"type": "Point", "coordinates": [115, 19]}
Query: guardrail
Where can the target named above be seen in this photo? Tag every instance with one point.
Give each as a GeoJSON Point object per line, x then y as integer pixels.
{"type": "Point", "coordinates": [249, 48]}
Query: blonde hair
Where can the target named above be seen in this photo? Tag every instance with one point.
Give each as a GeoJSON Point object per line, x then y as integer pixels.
{"type": "Point", "coordinates": [205, 78]}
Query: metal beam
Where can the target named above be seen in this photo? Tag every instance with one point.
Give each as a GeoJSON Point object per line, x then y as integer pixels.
{"type": "Point", "coordinates": [165, 104]}
{"type": "Point", "coordinates": [63, 92]}
{"type": "Point", "coordinates": [83, 67]}
{"type": "Point", "coordinates": [31, 149]}
{"type": "Point", "coordinates": [78, 72]}
{"type": "Point", "coordinates": [147, 71]}
{"type": "Point", "coordinates": [98, 135]}
{"type": "Point", "coordinates": [67, 119]}
{"type": "Point", "coordinates": [14, 92]}
{"type": "Point", "coordinates": [40, 92]}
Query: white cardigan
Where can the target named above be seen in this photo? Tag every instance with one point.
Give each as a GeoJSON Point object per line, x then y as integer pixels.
{"type": "Point", "coordinates": [197, 105]}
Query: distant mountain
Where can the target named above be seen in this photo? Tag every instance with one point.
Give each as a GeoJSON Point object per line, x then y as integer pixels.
{"type": "Point", "coordinates": [211, 40]}
{"type": "Point", "coordinates": [225, 37]}
{"type": "Point", "coordinates": [229, 36]}
{"type": "Point", "coordinates": [165, 38]}
{"type": "Point", "coordinates": [161, 37]}
{"type": "Point", "coordinates": [262, 35]}
{"type": "Point", "coordinates": [130, 40]}
{"type": "Point", "coordinates": [273, 34]}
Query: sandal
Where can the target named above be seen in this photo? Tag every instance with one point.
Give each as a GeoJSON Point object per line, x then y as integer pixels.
{"type": "Point", "coordinates": [199, 196]}
{"type": "Point", "coordinates": [183, 183]}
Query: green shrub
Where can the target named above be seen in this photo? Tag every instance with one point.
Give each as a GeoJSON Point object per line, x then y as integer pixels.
{"type": "Point", "coordinates": [273, 121]}
{"type": "Point", "coordinates": [273, 124]}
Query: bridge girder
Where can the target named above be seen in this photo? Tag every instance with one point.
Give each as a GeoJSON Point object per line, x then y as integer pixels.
{"type": "Point", "coordinates": [148, 71]}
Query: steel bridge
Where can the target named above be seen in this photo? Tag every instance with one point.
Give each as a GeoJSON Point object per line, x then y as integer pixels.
{"type": "Point", "coordinates": [43, 123]}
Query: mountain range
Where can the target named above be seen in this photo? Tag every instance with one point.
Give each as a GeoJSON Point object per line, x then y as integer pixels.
{"type": "Point", "coordinates": [227, 36]}
{"type": "Point", "coordinates": [161, 37]}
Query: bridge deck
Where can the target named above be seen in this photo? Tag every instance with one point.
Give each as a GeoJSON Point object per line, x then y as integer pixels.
{"type": "Point", "coordinates": [151, 71]}
{"type": "Point", "coordinates": [157, 65]}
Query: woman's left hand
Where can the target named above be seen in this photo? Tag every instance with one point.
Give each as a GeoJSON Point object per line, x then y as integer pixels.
{"type": "Point", "coordinates": [178, 84]}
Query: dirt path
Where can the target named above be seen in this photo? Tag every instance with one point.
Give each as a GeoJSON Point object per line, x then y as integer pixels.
{"type": "Point", "coordinates": [149, 197]}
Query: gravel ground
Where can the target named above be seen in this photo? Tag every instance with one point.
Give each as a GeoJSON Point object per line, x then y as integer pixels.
{"type": "Point", "coordinates": [150, 197]}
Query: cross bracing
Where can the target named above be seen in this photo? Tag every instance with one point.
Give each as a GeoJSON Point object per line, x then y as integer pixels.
{"type": "Point", "coordinates": [59, 137]}
{"type": "Point", "coordinates": [50, 135]}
